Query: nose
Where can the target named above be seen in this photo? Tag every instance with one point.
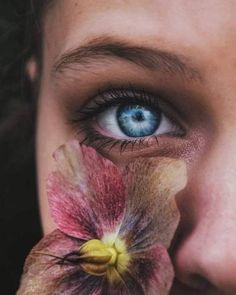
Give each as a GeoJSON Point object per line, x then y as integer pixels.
{"type": "Point", "coordinates": [205, 251]}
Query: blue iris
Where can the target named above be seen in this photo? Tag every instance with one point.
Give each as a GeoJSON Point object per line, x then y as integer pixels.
{"type": "Point", "coordinates": [137, 120]}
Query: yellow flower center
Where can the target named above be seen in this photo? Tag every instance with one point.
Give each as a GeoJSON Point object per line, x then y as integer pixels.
{"type": "Point", "coordinates": [108, 257]}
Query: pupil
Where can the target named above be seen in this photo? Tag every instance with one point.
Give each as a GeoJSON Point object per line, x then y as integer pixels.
{"type": "Point", "coordinates": [138, 116]}
{"type": "Point", "coordinates": [138, 121]}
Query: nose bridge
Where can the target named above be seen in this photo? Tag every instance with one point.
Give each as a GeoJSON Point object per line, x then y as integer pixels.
{"type": "Point", "coordinates": [209, 249]}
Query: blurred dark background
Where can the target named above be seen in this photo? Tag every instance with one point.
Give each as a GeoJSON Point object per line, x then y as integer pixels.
{"type": "Point", "coordinates": [19, 220]}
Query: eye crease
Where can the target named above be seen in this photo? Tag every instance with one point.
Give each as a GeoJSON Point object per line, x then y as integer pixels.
{"type": "Point", "coordinates": [122, 117]}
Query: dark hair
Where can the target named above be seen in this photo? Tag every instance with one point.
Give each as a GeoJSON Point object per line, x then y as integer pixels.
{"type": "Point", "coordinates": [20, 227]}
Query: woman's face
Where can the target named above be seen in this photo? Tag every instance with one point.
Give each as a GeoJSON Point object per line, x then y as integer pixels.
{"type": "Point", "coordinates": [151, 78]}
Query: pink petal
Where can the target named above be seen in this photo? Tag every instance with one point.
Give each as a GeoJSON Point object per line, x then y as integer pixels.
{"type": "Point", "coordinates": [87, 193]}
{"type": "Point", "coordinates": [151, 214]}
{"type": "Point", "coordinates": [70, 209]}
{"type": "Point", "coordinates": [42, 275]}
{"type": "Point", "coordinates": [106, 183]}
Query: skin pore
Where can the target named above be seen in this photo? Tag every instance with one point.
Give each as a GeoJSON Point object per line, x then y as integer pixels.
{"type": "Point", "coordinates": [179, 54]}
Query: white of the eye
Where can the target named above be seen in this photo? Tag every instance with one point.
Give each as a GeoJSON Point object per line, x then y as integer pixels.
{"type": "Point", "coordinates": [108, 125]}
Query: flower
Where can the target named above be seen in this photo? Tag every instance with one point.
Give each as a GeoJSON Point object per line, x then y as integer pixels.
{"type": "Point", "coordinates": [115, 225]}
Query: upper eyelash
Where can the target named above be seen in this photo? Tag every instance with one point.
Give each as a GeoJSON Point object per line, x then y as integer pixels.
{"type": "Point", "coordinates": [113, 97]}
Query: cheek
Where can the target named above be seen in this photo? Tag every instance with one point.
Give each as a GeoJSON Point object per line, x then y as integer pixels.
{"type": "Point", "coordinates": [51, 133]}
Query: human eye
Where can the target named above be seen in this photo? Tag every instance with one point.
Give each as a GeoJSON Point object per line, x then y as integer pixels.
{"type": "Point", "coordinates": [125, 118]}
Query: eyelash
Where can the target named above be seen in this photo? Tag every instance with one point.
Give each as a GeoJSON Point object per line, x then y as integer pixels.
{"type": "Point", "coordinates": [81, 120]}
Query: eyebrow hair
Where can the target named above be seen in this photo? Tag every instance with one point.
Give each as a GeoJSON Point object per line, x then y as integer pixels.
{"type": "Point", "coordinates": [108, 47]}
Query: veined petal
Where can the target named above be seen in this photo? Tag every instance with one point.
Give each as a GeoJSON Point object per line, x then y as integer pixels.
{"type": "Point", "coordinates": [154, 270]}
{"type": "Point", "coordinates": [150, 273]}
{"type": "Point", "coordinates": [44, 275]}
{"type": "Point", "coordinates": [128, 285]}
{"type": "Point", "coordinates": [107, 189]}
{"type": "Point", "coordinates": [87, 192]}
{"type": "Point", "coordinates": [70, 208]}
{"type": "Point", "coordinates": [151, 214]}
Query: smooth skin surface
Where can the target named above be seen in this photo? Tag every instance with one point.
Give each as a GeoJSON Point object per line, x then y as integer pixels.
{"type": "Point", "coordinates": [184, 53]}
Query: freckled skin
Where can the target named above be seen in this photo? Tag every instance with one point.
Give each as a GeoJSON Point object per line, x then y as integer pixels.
{"type": "Point", "coordinates": [205, 33]}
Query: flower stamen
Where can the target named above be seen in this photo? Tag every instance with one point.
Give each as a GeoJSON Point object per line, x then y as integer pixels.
{"type": "Point", "coordinates": [100, 258]}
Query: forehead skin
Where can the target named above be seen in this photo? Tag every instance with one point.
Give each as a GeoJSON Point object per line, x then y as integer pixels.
{"type": "Point", "coordinates": [184, 24]}
{"type": "Point", "coordinates": [203, 31]}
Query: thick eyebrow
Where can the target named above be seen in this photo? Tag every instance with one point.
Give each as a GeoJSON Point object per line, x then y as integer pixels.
{"type": "Point", "coordinates": [149, 58]}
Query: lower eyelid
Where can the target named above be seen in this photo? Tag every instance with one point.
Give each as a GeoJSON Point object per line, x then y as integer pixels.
{"type": "Point", "coordinates": [119, 149]}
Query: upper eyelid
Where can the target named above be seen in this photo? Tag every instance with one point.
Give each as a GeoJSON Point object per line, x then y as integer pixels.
{"type": "Point", "coordinates": [102, 101]}
{"type": "Point", "coordinates": [88, 112]}
{"type": "Point", "coordinates": [130, 95]}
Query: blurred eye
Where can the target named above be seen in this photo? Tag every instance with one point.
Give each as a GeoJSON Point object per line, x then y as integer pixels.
{"type": "Point", "coordinates": [134, 121]}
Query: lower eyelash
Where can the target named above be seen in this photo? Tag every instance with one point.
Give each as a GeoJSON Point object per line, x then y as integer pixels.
{"type": "Point", "coordinates": [99, 141]}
